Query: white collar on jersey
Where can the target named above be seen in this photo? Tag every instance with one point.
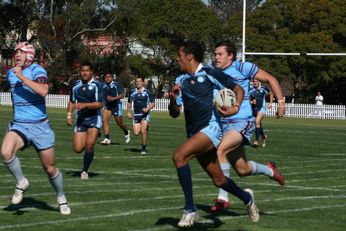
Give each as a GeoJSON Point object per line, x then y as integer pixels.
{"type": "Point", "coordinates": [140, 90]}
{"type": "Point", "coordinates": [199, 68]}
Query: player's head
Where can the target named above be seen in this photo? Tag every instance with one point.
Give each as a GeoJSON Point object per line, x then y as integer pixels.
{"type": "Point", "coordinates": [139, 82]}
{"type": "Point", "coordinates": [108, 77]}
{"type": "Point", "coordinates": [86, 71]}
{"type": "Point", "coordinates": [224, 54]}
{"type": "Point", "coordinates": [24, 54]}
{"type": "Point", "coordinates": [256, 83]}
{"type": "Point", "coordinates": [189, 52]}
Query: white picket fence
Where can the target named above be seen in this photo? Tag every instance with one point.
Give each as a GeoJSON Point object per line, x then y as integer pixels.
{"type": "Point", "coordinates": [292, 110]}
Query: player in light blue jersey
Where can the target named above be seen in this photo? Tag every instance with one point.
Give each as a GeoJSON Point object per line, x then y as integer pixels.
{"type": "Point", "coordinates": [238, 128]}
{"type": "Point", "coordinates": [28, 84]}
{"type": "Point", "coordinates": [258, 103]}
{"type": "Point", "coordinates": [143, 101]}
{"type": "Point", "coordinates": [87, 98]}
{"type": "Point", "coordinates": [113, 93]}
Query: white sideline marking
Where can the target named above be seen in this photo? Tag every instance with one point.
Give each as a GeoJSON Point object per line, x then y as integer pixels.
{"type": "Point", "coordinates": [131, 213]}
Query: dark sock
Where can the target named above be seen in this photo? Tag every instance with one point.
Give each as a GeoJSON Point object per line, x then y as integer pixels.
{"type": "Point", "coordinates": [257, 132]}
{"type": "Point", "coordinates": [88, 158]}
{"type": "Point", "coordinates": [144, 147]}
{"type": "Point", "coordinates": [262, 133]}
{"type": "Point", "coordinates": [107, 136]}
{"type": "Point", "coordinates": [184, 175]}
{"type": "Point", "coordinates": [233, 188]}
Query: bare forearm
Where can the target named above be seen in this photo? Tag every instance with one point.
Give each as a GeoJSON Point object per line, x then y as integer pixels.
{"type": "Point", "coordinates": [40, 88]}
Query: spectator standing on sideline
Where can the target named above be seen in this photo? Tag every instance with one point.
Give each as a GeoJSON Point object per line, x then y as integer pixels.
{"type": "Point", "coordinates": [86, 97]}
{"type": "Point", "coordinates": [29, 85]}
{"type": "Point", "coordinates": [319, 103]}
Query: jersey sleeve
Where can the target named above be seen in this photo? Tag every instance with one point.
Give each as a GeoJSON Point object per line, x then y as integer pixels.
{"type": "Point", "coordinates": [129, 99]}
{"type": "Point", "coordinates": [179, 100]}
{"type": "Point", "coordinates": [247, 68]}
{"type": "Point", "coordinates": [100, 95]}
{"type": "Point", "coordinates": [120, 88]}
{"type": "Point", "coordinates": [221, 78]}
{"type": "Point", "coordinates": [39, 74]}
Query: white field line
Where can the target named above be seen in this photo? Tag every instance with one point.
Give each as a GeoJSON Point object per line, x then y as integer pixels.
{"type": "Point", "coordinates": [131, 213]}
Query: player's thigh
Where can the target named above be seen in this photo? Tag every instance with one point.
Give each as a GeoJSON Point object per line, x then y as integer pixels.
{"type": "Point", "coordinates": [136, 128]}
{"type": "Point", "coordinates": [11, 143]}
{"type": "Point", "coordinates": [79, 139]}
{"type": "Point", "coordinates": [91, 137]}
{"type": "Point", "coordinates": [106, 114]}
{"type": "Point", "coordinates": [144, 126]}
{"type": "Point", "coordinates": [259, 117]}
{"type": "Point", "coordinates": [195, 145]}
{"type": "Point", "coordinates": [230, 141]}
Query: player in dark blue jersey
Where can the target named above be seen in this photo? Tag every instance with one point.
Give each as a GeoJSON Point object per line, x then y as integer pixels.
{"type": "Point", "coordinates": [29, 85]}
{"type": "Point", "coordinates": [113, 93]}
{"type": "Point", "coordinates": [86, 98]}
{"type": "Point", "coordinates": [143, 101]}
{"type": "Point", "coordinates": [195, 91]}
{"type": "Point", "coordinates": [238, 128]}
{"type": "Point", "coordinates": [258, 103]}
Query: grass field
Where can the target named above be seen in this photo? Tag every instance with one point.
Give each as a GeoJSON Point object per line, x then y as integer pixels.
{"type": "Point", "coordinates": [128, 191]}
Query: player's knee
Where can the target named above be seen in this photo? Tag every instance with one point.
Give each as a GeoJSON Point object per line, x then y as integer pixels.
{"type": "Point", "coordinates": [179, 159]}
{"type": "Point", "coordinates": [78, 149]}
{"type": "Point", "coordinates": [243, 172]}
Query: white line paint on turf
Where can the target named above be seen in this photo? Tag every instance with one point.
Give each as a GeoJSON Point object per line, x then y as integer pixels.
{"type": "Point", "coordinates": [131, 213]}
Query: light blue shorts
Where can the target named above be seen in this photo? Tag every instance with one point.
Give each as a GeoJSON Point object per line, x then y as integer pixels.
{"type": "Point", "coordinates": [264, 108]}
{"type": "Point", "coordinates": [214, 132]}
{"type": "Point", "coordinates": [244, 127]}
{"type": "Point", "coordinates": [40, 135]}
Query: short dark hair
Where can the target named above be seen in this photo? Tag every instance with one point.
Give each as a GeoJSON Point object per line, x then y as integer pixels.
{"type": "Point", "coordinates": [230, 48]}
{"type": "Point", "coordinates": [140, 77]}
{"type": "Point", "coordinates": [195, 48]}
{"type": "Point", "coordinates": [86, 63]}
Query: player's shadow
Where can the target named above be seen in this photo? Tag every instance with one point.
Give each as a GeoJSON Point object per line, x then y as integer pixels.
{"type": "Point", "coordinates": [77, 174]}
{"type": "Point", "coordinates": [117, 143]}
{"type": "Point", "coordinates": [212, 220]}
{"type": "Point", "coordinates": [132, 150]}
{"type": "Point", "coordinates": [28, 202]}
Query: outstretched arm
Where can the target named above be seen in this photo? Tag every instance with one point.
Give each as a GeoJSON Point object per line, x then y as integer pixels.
{"type": "Point", "coordinates": [264, 76]}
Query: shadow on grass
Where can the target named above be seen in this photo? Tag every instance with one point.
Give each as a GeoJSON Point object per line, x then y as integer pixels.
{"type": "Point", "coordinates": [132, 150]}
{"type": "Point", "coordinates": [28, 202]}
{"type": "Point", "coordinates": [211, 220]}
{"type": "Point", "coordinates": [77, 174]}
{"type": "Point", "coordinates": [111, 144]}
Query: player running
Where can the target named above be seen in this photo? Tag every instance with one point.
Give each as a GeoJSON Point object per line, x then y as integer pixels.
{"type": "Point", "coordinates": [113, 93]}
{"type": "Point", "coordinates": [258, 103]}
{"type": "Point", "coordinates": [28, 86]}
{"type": "Point", "coordinates": [239, 127]}
{"type": "Point", "coordinates": [86, 98]}
{"type": "Point", "coordinates": [195, 91]}
{"type": "Point", "coordinates": [143, 101]}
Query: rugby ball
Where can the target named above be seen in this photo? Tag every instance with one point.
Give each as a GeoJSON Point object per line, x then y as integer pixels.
{"type": "Point", "coordinates": [224, 97]}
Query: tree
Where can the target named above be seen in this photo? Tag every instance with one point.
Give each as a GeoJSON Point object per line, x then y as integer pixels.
{"type": "Point", "coordinates": [299, 26]}
{"type": "Point", "coordinates": [160, 25]}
